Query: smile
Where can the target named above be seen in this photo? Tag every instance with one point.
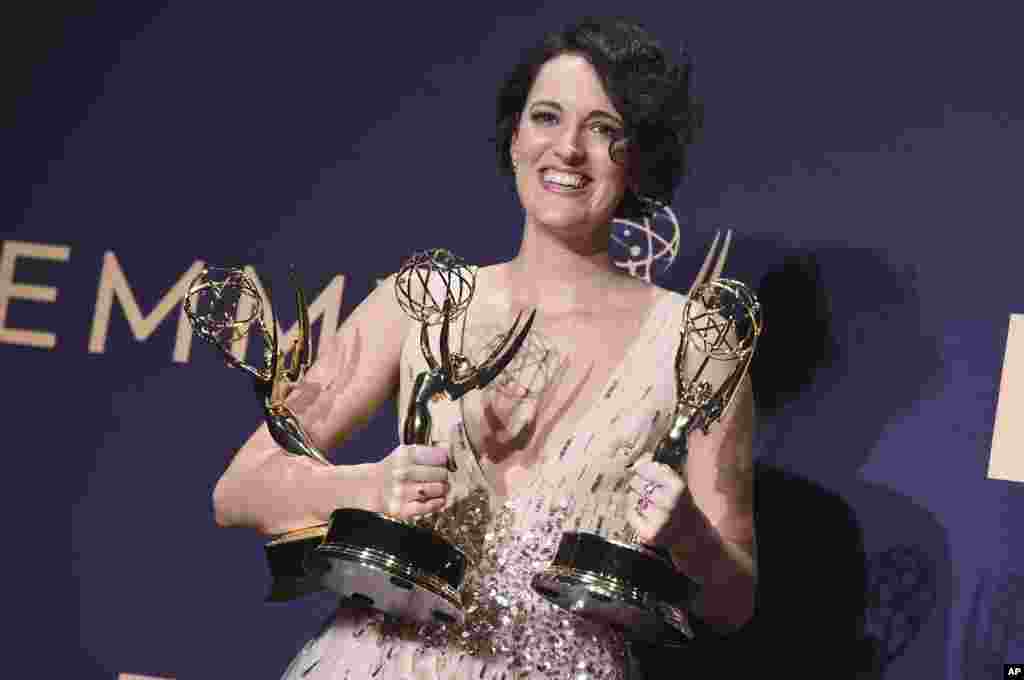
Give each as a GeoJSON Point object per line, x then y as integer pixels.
{"type": "Point", "coordinates": [563, 181]}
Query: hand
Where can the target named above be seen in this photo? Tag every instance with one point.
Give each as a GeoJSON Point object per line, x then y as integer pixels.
{"type": "Point", "coordinates": [413, 480]}
{"type": "Point", "coordinates": [660, 507]}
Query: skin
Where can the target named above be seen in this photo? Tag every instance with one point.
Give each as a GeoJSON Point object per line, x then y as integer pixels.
{"type": "Point", "coordinates": [567, 124]}
{"type": "Point", "coordinates": [589, 311]}
{"type": "Point", "coordinates": [705, 516]}
{"type": "Point", "coordinates": [704, 513]}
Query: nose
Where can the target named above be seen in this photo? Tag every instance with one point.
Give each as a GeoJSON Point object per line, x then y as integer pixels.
{"type": "Point", "coordinates": [568, 148]}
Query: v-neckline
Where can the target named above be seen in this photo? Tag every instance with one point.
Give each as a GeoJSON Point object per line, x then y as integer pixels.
{"type": "Point", "coordinates": [661, 297]}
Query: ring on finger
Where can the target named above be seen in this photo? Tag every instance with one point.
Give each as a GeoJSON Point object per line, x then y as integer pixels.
{"type": "Point", "coordinates": [645, 502]}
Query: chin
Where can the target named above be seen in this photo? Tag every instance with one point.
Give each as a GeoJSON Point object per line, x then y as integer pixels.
{"type": "Point", "coordinates": [569, 218]}
{"type": "Point", "coordinates": [562, 220]}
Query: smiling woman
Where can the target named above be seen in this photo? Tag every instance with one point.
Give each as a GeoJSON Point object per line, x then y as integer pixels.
{"type": "Point", "coordinates": [648, 116]}
{"type": "Point", "coordinates": [565, 175]}
{"type": "Point", "coordinates": [593, 123]}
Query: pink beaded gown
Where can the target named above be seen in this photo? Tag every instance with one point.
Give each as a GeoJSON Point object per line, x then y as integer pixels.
{"type": "Point", "coordinates": [580, 483]}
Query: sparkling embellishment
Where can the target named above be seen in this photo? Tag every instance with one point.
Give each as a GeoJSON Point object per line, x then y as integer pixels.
{"type": "Point", "coordinates": [589, 442]}
{"type": "Point", "coordinates": [506, 622]}
{"type": "Point", "coordinates": [611, 389]}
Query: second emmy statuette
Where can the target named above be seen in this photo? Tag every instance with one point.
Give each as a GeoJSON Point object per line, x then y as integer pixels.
{"type": "Point", "coordinates": [224, 305]}
{"type": "Point", "coordinates": [628, 585]}
{"type": "Point", "coordinates": [392, 565]}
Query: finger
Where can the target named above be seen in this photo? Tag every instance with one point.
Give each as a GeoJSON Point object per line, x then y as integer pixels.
{"type": "Point", "coordinates": [411, 499]}
{"type": "Point", "coordinates": [655, 472]}
{"type": "Point", "coordinates": [415, 508]}
{"type": "Point", "coordinates": [640, 523]}
{"type": "Point", "coordinates": [662, 496]}
{"type": "Point", "coordinates": [638, 508]}
{"type": "Point", "coordinates": [646, 471]}
{"type": "Point", "coordinates": [644, 488]}
{"type": "Point", "coordinates": [423, 492]}
{"type": "Point", "coordinates": [429, 455]}
{"type": "Point", "coordinates": [420, 473]}
{"type": "Point", "coordinates": [651, 514]}
{"type": "Point", "coordinates": [638, 457]}
{"type": "Point", "coordinates": [647, 524]}
{"type": "Point", "coordinates": [666, 492]}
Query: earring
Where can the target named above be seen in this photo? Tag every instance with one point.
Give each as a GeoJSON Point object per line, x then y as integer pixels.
{"type": "Point", "coordinates": [515, 164]}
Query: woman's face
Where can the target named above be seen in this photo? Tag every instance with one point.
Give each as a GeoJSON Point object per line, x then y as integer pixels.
{"type": "Point", "coordinates": [565, 177]}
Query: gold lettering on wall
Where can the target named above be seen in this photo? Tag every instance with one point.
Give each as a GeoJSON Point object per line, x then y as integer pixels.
{"type": "Point", "coordinates": [114, 284]}
{"type": "Point", "coordinates": [1007, 457]}
{"type": "Point", "coordinates": [327, 305]}
{"type": "Point", "coordinates": [9, 290]}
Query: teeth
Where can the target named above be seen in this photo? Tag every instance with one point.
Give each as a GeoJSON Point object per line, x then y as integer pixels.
{"type": "Point", "coordinates": [565, 179]}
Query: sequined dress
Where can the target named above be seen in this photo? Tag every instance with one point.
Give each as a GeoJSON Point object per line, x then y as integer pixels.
{"type": "Point", "coordinates": [511, 633]}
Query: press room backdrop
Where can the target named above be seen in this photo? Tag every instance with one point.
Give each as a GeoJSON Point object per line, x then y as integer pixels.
{"type": "Point", "coordinates": [867, 154]}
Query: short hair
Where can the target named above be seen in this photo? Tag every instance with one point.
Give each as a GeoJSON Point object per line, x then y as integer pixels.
{"type": "Point", "coordinates": [649, 90]}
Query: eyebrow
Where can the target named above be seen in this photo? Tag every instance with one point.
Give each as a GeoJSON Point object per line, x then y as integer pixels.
{"type": "Point", "coordinates": [597, 113]}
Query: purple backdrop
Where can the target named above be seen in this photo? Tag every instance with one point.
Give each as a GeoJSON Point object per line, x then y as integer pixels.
{"type": "Point", "coordinates": [868, 155]}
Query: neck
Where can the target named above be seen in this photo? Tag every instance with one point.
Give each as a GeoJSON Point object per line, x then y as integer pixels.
{"type": "Point", "coordinates": [561, 276]}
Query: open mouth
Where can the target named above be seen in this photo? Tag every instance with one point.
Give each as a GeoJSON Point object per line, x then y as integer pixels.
{"type": "Point", "coordinates": [559, 180]}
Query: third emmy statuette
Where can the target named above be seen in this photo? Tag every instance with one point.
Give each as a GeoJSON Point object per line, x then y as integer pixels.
{"type": "Point", "coordinates": [625, 584]}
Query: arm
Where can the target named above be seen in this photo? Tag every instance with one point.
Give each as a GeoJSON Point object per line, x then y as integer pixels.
{"type": "Point", "coordinates": [355, 373]}
{"type": "Point", "coordinates": [719, 550]}
{"type": "Point", "coordinates": [706, 517]}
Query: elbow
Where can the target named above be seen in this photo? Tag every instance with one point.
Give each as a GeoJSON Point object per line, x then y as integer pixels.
{"type": "Point", "coordinates": [742, 615]}
{"type": "Point", "coordinates": [222, 513]}
{"type": "Point", "coordinates": [729, 609]}
{"type": "Point", "coordinates": [732, 622]}
{"type": "Point", "coordinates": [745, 605]}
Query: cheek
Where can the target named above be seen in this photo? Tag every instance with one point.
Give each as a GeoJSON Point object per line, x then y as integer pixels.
{"type": "Point", "coordinates": [529, 144]}
{"type": "Point", "coordinates": [613, 188]}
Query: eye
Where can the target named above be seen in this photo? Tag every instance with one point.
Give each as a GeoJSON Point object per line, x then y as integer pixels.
{"type": "Point", "coordinates": [606, 130]}
{"type": "Point", "coordinates": [544, 117]}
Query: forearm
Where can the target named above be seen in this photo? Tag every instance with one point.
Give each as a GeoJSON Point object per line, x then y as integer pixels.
{"type": "Point", "coordinates": [274, 492]}
{"type": "Point", "coordinates": [727, 572]}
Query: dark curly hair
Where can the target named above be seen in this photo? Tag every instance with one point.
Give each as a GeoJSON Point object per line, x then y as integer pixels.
{"type": "Point", "coordinates": [648, 89]}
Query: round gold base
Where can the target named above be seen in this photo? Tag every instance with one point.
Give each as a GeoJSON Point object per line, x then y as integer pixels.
{"type": "Point", "coordinates": [629, 587]}
{"type": "Point", "coordinates": [402, 570]}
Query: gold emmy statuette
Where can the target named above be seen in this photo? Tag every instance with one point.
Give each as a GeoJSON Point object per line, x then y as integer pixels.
{"type": "Point", "coordinates": [224, 305]}
{"type": "Point", "coordinates": [391, 565]}
{"type": "Point", "coordinates": [627, 585]}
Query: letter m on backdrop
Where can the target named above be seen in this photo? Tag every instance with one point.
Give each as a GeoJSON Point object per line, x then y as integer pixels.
{"type": "Point", "coordinates": [113, 285]}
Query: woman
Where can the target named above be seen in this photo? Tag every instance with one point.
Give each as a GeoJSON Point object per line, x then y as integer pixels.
{"type": "Point", "coordinates": [593, 125]}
